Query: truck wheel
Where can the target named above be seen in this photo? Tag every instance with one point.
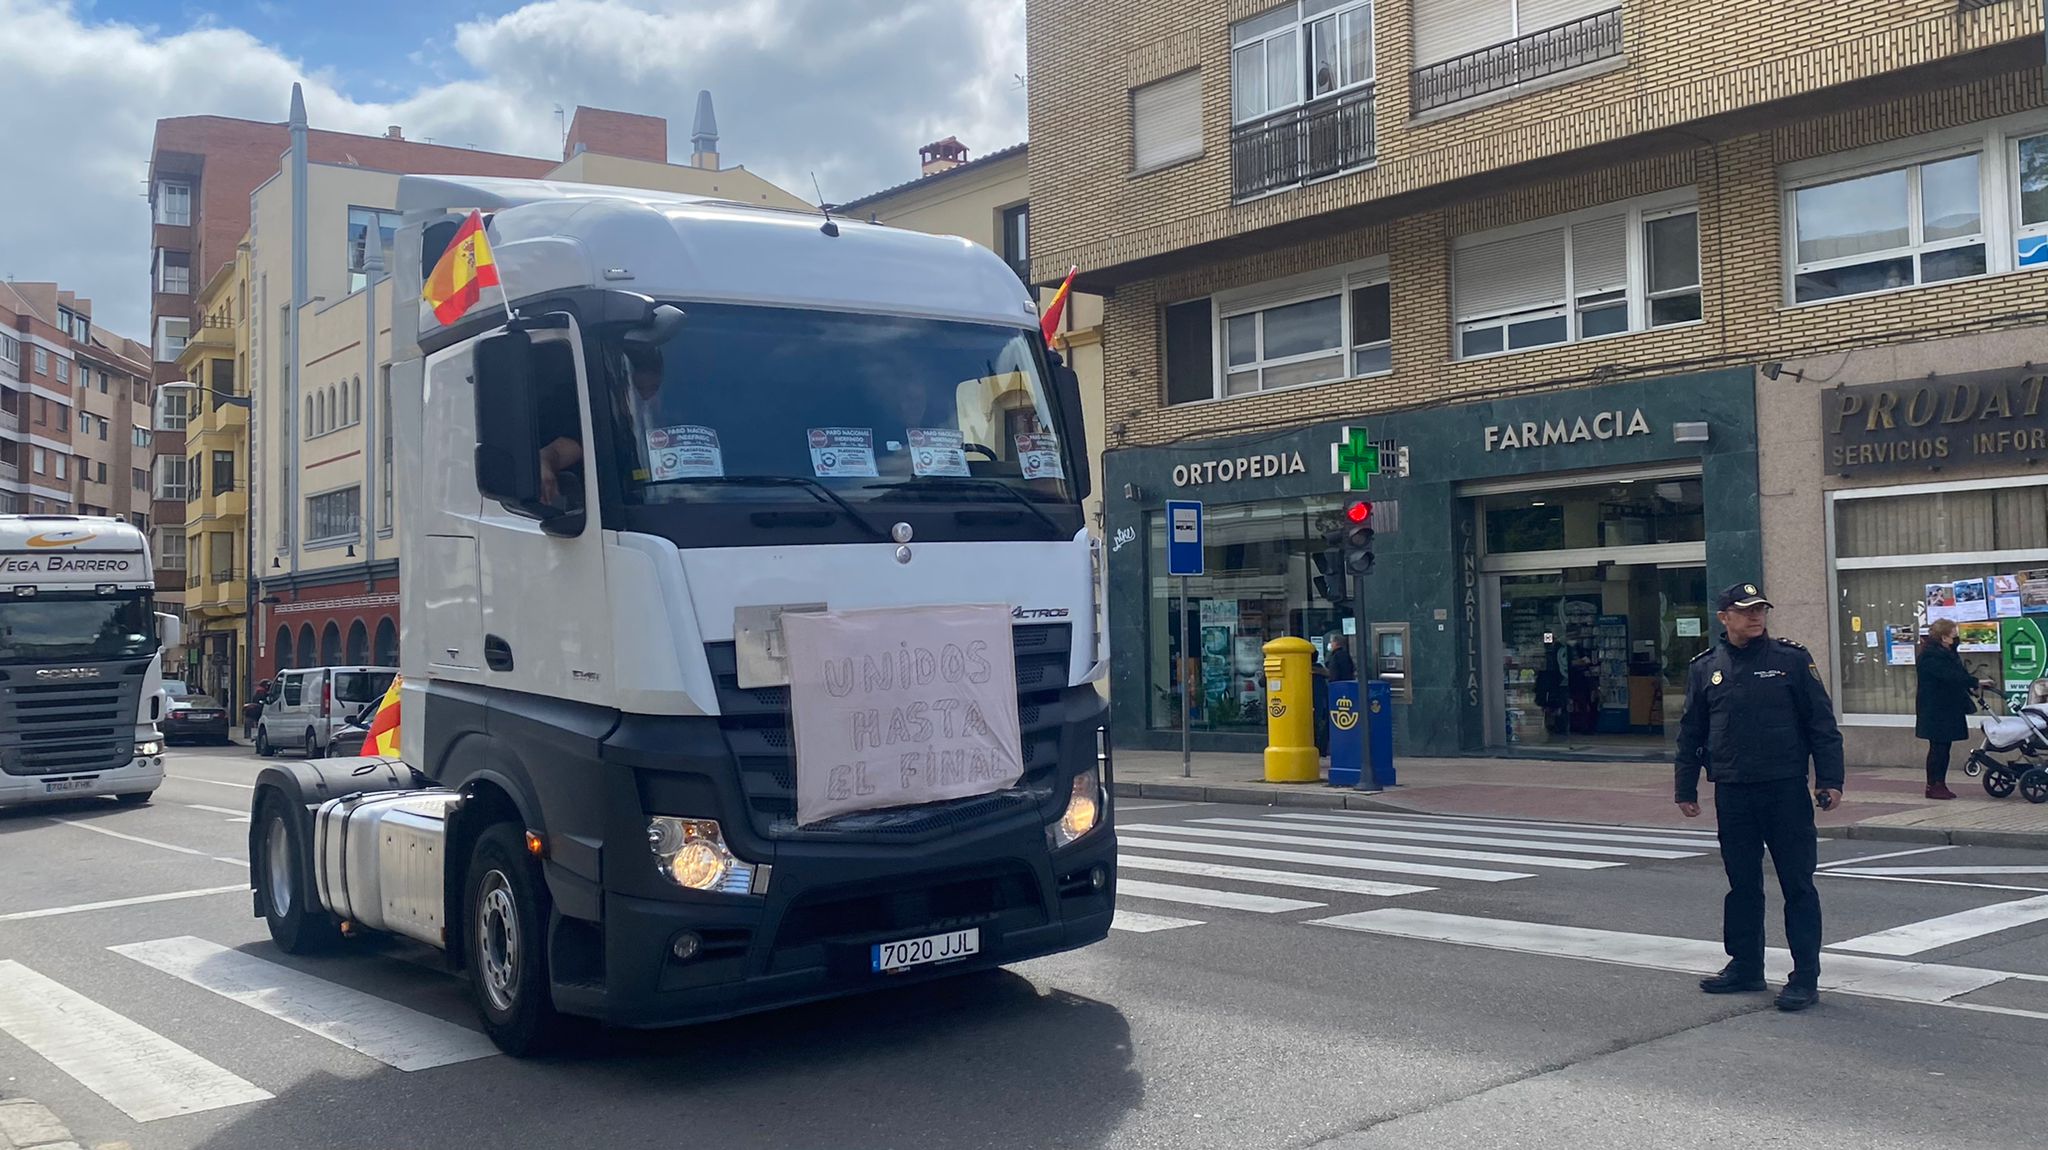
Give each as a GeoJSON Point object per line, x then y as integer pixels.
{"type": "Point", "coordinates": [297, 923]}
{"type": "Point", "coordinates": [133, 798]}
{"type": "Point", "coordinates": [264, 746]}
{"type": "Point", "coordinates": [505, 904]}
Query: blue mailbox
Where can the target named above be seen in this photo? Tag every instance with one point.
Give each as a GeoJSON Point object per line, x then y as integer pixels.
{"type": "Point", "coordinates": [1379, 723]}
{"type": "Point", "coordinates": [1347, 734]}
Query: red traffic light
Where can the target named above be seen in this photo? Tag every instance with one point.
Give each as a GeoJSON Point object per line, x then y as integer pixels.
{"type": "Point", "coordinates": [1359, 512]}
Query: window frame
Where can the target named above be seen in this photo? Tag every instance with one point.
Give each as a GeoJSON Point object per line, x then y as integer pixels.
{"type": "Point", "coordinates": [161, 486]}
{"type": "Point", "coordinates": [313, 540]}
{"type": "Point", "coordinates": [1230, 304]}
{"type": "Point", "coordinates": [1008, 231]}
{"type": "Point", "coordinates": [1300, 28]}
{"type": "Point", "coordinates": [164, 195]}
{"type": "Point", "coordinates": [358, 279]}
{"type": "Point", "coordinates": [41, 357]}
{"type": "Point", "coordinates": [222, 462]}
{"type": "Point", "coordinates": [2016, 209]}
{"type": "Point", "coordinates": [1638, 213]}
{"type": "Point", "coordinates": [1917, 246]}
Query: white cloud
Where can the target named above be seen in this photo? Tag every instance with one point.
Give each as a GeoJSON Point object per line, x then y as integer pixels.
{"type": "Point", "coordinates": [845, 88]}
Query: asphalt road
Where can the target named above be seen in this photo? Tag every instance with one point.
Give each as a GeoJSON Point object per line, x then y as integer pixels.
{"type": "Point", "coordinates": [1389, 981]}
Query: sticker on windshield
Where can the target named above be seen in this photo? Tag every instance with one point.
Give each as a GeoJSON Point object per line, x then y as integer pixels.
{"type": "Point", "coordinates": [842, 452]}
{"type": "Point", "coordinates": [1038, 454]}
{"type": "Point", "coordinates": [937, 451]}
{"type": "Point", "coordinates": [684, 452]}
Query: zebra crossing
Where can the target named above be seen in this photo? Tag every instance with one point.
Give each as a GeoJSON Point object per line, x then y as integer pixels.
{"type": "Point", "coordinates": [1329, 853]}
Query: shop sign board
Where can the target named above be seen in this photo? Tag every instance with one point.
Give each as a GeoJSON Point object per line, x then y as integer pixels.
{"type": "Point", "coordinates": [1943, 421]}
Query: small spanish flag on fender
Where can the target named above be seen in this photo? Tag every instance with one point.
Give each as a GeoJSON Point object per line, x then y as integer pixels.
{"type": "Point", "coordinates": [1050, 322]}
{"type": "Point", "coordinates": [383, 737]}
{"type": "Point", "coordinates": [462, 274]}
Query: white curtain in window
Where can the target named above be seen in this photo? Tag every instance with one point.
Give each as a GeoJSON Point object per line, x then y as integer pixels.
{"type": "Point", "coordinates": [1447, 28]}
{"type": "Point", "coordinates": [1167, 120]}
{"type": "Point", "coordinates": [1600, 256]}
{"type": "Point", "coordinates": [1516, 274]}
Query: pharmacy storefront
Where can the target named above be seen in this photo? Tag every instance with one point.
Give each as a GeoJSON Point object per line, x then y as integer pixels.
{"type": "Point", "coordinates": [1549, 577]}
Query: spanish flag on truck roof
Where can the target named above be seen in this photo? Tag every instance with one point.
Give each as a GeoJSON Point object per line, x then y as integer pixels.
{"type": "Point", "coordinates": [462, 274]}
{"type": "Point", "coordinates": [383, 737]}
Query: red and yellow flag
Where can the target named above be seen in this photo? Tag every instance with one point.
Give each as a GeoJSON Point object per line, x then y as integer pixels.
{"type": "Point", "coordinates": [1050, 322]}
{"type": "Point", "coordinates": [465, 270]}
{"type": "Point", "coordinates": [383, 737]}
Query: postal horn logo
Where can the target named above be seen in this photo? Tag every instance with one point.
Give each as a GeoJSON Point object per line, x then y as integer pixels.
{"type": "Point", "coordinates": [70, 537]}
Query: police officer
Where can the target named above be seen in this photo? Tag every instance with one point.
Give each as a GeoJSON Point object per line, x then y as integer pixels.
{"type": "Point", "coordinates": [1755, 713]}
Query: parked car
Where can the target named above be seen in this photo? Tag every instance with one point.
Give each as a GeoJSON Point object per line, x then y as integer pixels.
{"type": "Point", "coordinates": [195, 719]}
{"type": "Point", "coordinates": [310, 706]}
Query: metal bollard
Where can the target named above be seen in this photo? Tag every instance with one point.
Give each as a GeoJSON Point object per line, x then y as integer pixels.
{"type": "Point", "coordinates": [1290, 712]}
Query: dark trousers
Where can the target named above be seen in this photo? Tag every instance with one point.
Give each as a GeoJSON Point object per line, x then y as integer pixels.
{"type": "Point", "coordinates": [1778, 815]}
{"type": "Point", "coordinates": [1937, 764]}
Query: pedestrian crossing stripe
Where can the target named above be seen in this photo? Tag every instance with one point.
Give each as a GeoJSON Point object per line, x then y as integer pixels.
{"type": "Point", "coordinates": [1261, 875]}
{"type": "Point", "coordinates": [1204, 896]}
{"type": "Point", "coordinates": [1327, 843]}
{"type": "Point", "coordinates": [1341, 862]}
{"type": "Point", "coordinates": [1136, 922]}
{"type": "Point", "coordinates": [1400, 835]}
{"type": "Point", "coordinates": [1570, 837]}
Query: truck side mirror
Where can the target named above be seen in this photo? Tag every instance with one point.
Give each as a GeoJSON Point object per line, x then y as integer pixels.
{"type": "Point", "coordinates": [170, 630]}
{"type": "Point", "coordinates": [509, 369]}
{"type": "Point", "coordinates": [1066, 389]}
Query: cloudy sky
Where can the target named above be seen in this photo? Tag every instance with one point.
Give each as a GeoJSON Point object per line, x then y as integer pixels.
{"type": "Point", "coordinates": [846, 88]}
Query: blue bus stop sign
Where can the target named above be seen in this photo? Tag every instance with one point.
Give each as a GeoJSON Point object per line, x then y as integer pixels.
{"type": "Point", "coordinates": [1183, 537]}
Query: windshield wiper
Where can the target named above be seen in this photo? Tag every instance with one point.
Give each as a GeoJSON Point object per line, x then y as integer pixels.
{"type": "Point", "coordinates": [976, 483]}
{"type": "Point", "coordinates": [810, 485]}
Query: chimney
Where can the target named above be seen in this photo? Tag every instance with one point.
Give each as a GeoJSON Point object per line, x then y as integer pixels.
{"type": "Point", "coordinates": [704, 135]}
{"type": "Point", "coordinates": [392, 133]}
{"type": "Point", "coordinates": [943, 156]}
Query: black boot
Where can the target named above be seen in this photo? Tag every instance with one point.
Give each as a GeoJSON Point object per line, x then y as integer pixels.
{"type": "Point", "coordinates": [1734, 979]}
{"type": "Point", "coordinates": [1798, 995]}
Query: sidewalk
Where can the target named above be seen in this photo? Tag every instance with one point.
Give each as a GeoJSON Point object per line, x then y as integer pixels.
{"type": "Point", "coordinates": [1877, 803]}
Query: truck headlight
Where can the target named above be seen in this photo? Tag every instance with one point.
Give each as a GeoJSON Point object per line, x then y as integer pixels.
{"type": "Point", "coordinates": [149, 749]}
{"type": "Point", "coordinates": [1083, 813]}
{"type": "Point", "coordinates": [693, 855]}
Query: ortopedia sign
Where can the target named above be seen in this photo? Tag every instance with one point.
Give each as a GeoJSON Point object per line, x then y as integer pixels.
{"type": "Point", "coordinates": [897, 707]}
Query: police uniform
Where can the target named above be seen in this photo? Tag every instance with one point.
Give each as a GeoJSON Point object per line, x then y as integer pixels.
{"type": "Point", "coordinates": [1754, 716]}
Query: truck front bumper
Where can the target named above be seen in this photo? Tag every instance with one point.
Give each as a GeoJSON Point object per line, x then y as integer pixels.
{"type": "Point", "coordinates": [142, 775]}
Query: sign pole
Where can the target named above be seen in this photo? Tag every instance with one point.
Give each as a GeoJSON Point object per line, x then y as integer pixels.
{"type": "Point", "coordinates": [1184, 558]}
{"type": "Point", "coordinates": [1187, 700]}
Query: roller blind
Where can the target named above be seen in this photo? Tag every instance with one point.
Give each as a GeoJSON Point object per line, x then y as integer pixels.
{"type": "Point", "coordinates": [1600, 256]}
{"type": "Point", "coordinates": [1447, 28]}
{"type": "Point", "coordinates": [1536, 15]}
{"type": "Point", "coordinates": [1167, 120]}
{"type": "Point", "coordinates": [1516, 274]}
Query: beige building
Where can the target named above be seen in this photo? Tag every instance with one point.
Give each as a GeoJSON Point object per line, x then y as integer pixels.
{"type": "Point", "coordinates": [214, 403]}
{"type": "Point", "coordinates": [1568, 282]}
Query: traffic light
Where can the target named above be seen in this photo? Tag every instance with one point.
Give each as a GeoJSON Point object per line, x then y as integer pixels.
{"type": "Point", "coordinates": [1332, 581]}
{"type": "Point", "coordinates": [1357, 538]}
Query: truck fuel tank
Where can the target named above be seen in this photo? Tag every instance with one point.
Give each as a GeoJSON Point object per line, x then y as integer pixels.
{"type": "Point", "coordinates": [380, 861]}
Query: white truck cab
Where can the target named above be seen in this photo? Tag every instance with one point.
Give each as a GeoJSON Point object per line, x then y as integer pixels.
{"type": "Point", "coordinates": [81, 660]}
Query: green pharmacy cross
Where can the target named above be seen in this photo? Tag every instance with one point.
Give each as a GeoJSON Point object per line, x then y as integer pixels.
{"type": "Point", "coordinates": [1355, 458]}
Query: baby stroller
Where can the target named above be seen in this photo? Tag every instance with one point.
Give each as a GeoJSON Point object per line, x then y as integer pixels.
{"type": "Point", "coordinates": [2023, 736]}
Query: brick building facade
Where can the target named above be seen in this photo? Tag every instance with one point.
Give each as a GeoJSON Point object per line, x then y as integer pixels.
{"type": "Point", "coordinates": [1699, 214]}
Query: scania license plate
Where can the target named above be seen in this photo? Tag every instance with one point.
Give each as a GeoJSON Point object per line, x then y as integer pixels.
{"type": "Point", "coordinates": [60, 786]}
{"type": "Point", "coordinates": [929, 949]}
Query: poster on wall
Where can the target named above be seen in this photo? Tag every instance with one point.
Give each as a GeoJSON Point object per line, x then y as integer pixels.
{"type": "Point", "coordinates": [1977, 637]}
{"type": "Point", "coordinates": [1899, 648]}
{"type": "Point", "coordinates": [1972, 604]}
{"type": "Point", "coordinates": [2034, 591]}
{"type": "Point", "coordinates": [2005, 597]}
{"type": "Point", "coordinates": [1216, 675]}
{"type": "Point", "coordinates": [1941, 601]}
{"type": "Point", "coordinates": [2025, 658]}
{"type": "Point", "coordinates": [1218, 612]}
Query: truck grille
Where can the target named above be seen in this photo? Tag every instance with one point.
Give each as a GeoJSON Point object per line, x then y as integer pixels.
{"type": "Point", "coordinates": [84, 721]}
{"type": "Point", "coordinates": [755, 723]}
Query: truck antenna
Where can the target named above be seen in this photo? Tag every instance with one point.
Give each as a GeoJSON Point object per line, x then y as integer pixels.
{"type": "Point", "coordinates": [831, 227]}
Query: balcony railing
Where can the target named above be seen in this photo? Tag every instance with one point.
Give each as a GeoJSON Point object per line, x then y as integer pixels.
{"type": "Point", "coordinates": [1518, 61]}
{"type": "Point", "coordinates": [1331, 135]}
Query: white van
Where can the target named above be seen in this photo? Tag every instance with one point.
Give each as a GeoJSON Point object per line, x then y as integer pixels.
{"type": "Point", "coordinates": [306, 707]}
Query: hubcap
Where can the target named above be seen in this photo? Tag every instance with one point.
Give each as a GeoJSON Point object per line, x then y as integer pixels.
{"type": "Point", "coordinates": [497, 933]}
{"type": "Point", "coordinates": [278, 853]}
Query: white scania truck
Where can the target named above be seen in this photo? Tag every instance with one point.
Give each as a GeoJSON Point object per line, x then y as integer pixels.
{"type": "Point", "coordinates": [717, 435]}
{"type": "Point", "coordinates": [81, 660]}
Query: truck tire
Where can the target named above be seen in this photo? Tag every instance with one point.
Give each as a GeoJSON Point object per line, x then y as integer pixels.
{"type": "Point", "coordinates": [264, 746]}
{"type": "Point", "coordinates": [297, 922]}
{"type": "Point", "coordinates": [505, 912]}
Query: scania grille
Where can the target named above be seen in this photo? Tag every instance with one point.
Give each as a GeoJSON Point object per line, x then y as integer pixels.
{"type": "Point", "coordinates": [69, 725]}
{"type": "Point", "coordinates": [756, 726]}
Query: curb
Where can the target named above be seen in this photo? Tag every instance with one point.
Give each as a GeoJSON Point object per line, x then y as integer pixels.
{"type": "Point", "coordinates": [1337, 798]}
{"type": "Point", "coordinates": [25, 1124]}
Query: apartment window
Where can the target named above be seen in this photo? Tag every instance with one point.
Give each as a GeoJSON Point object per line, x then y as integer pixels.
{"type": "Point", "coordinates": [173, 409]}
{"type": "Point", "coordinates": [104, 428]}
{"type": "Point", "coordinates": [142, 437]}
{"type": "Point", "coordinates": [1467, 48]}
{"type": "Point", "coordinates": [62, 418]}
{"type": "Point", "coordinates": [103, 383]}
{"type": "Point", "coordinates": [1918, 224]}
{"type": "Point", "coordinates": [100, 473]}
{"type": "Point", "coordinates": [63, 371]}
{"type": "Point", "coordinates": [1166, 121]}
{"type": "Point", "coordinates": [1606, 271]}
{"type": "Point", "coordinates": [10, 350]}
{"type": "Point", "coordinates": [1297, 53]}
{"type": "Point", "coordinates": [174, 273]}
{"type": "Point", "coordinates": [1190, 351]}
{"type": "Point", "coordinates": [1328, 325]}
{"type": "Point", "coordinates": [174, 204]}
{"type": "Point", "coordinates": [138, 479]}
{"type": "Point", "coordinates": [170, 477]}
{"type": "Point", "coordinates": [63, 463]}
{"type": "Point", "coordinates": [170, 550]}
{"type": "Point", "coordinates": [223, 472]}
{"type": "Point", "coordinates": [334, 516]}
{"type": "Point", "coordinates": [139, 519]}
{"type": "Point", "coordinates": [42, 363]}
{"type": "Point", "coordinates": [85, 423]}
{"type": "Point", "coordinates": [1017, 240]}
{"type": "Point", "coordinates": [37, 459]}
{"type": "Point", "coordinates": [42, 412]}
{"type": "Point", "coordinates": [171, 334]}
{"type": "Point", "coordinates": [220, 549]}
{"type": "Point", "coordinates": [384, 431]}
{"type": "Point", "coordinates": [2030, 177]}
{"type": "Point", "coordinates": [360, 220]}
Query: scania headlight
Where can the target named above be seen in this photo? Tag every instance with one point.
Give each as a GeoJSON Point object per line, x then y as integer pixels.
{"type": "Point", "coordinates": [693, 854]}
{"type": "Point", "coordinates": [1083, 813]}
{"type": "Point", "coordinates": [149, 749]}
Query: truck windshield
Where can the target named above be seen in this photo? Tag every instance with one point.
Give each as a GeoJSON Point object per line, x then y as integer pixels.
{"type": "Point", "coordinates": [871, 407]}
{"type": "Point", "coordinates": [56, 628]}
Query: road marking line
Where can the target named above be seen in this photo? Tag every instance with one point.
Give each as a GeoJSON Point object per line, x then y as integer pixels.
{"type": "Point", "coordinates": [1935, 870]}
{"type": "Point", "coordinates": [1925, 881]}
{"type": "Point", "coordinates": [1204, 896]}
{"type": "Point", "coordinates": [1922, 982]}
{"type": "Point", "coordinates": [1136, 923]}
{"type": "Point", "coordinates": [138, 1071]}
{"type": "Point", "coordinates": [112, 903]}
{"type": "Point", "coordinates": [1149, 806]}
{"type": "Point", "coordinates": [1486, 821]}
{"type": "Point", "coordinates": [1269, 877]}
{"type": "Point", "coordinates": [1375, 832]}
{"type": "Point", "coordinates": [1859, 859]}
{"type": "Point", "coordinates": [135, 838]}
{"type": "Point", "coordinates": [1378, 848]}
{"type": "Point", "coordinates": [395, 1035]}
{"type": "Point", "coordinates": [1949, 929]}
{"type": "Point", "coordinates": [1388, 866]}
{"type": "Point", "coordinates": [215, 782]}
{"type": "Point", "coordinates": [1522, 832]}
{"type": "Point", "coordinates": [234, 816]}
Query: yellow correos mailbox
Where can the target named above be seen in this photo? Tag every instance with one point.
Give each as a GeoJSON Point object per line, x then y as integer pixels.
{"type": "Point", "coordinates": [1291, 755]}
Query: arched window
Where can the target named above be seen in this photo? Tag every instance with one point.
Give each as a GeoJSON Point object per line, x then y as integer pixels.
{"type": "Point", "coordinates": [330, 646]}
{"type": "Point", "coordinates": [310, 414]}
{"type": "Point", "coordinates": [387, 644]}
{"type": "Point", "coordinates": [358, 644]}
{"type": "Point", "coordinates": [333, 411]}
{"type": "Point", "coordinates": [308, 653]}
{"type": "Point", "coordinates": [283, 654]}
{"type": "Point", "coordinates": [355, 400]}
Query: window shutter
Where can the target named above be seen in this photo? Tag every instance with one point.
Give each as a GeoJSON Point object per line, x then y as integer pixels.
{"type": "Point", "coordinates": [1293, 289]}
{"type": "Point", "coordinates": [1447, 28]}
{"type": "Point", "coordinates": [1167, 120]}
{"type": "Point", "coordinates": [1517, 274]}
{"type": "Point", "coordinates": [1600, 256]}
{"type": "Point", "coordinates": [1540, 14]}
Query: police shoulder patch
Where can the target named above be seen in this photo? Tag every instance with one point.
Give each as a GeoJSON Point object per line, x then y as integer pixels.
{"type": "Point", "coordinates": [1795, 645]}
{"type": "Point", "coordinates": [1701, 655]}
